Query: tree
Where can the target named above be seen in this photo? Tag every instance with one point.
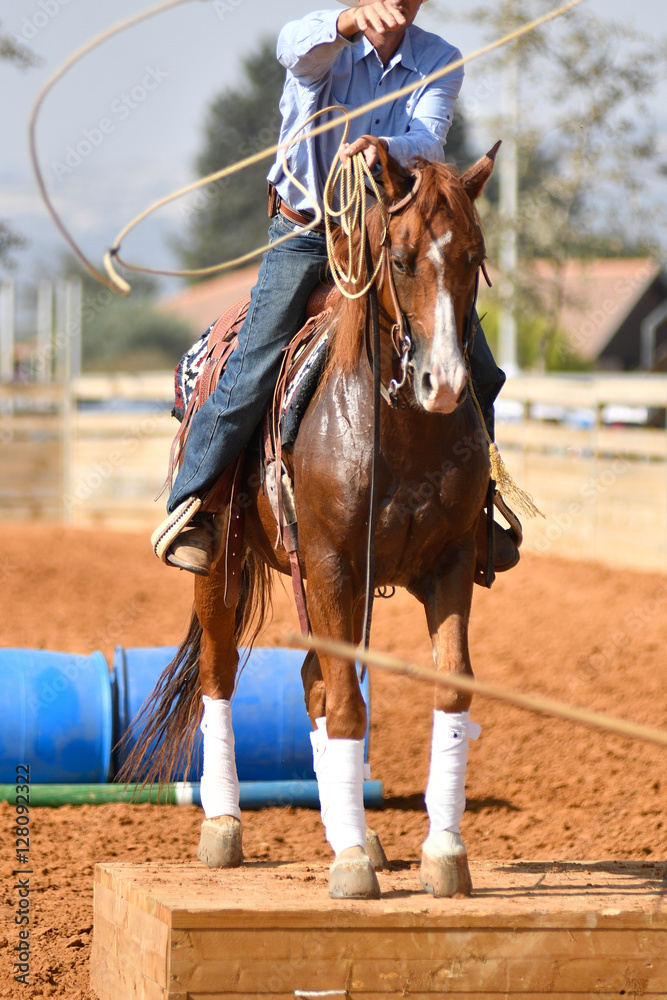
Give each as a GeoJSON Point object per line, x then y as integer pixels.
{"type": "Point", "coordinates": [458, 149]}
{"type": "Point", "coordinates": [12, 51]}
{"type": "Point", "coordinates": [228, 218]}
{"type": "Point", "coordinates": [586, 145]}
{"type": "Point", "coordinates": [125, 334]}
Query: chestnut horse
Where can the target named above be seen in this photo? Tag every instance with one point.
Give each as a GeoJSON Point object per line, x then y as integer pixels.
{"type": "Point", "coordinates": [430, 492]}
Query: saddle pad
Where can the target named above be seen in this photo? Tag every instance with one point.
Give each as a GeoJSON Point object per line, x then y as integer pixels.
{"type": "Point", "coordinates": [301, 386]}
{"type": "Point", "coordinates": [189, 369]}
{"type": "Point", "coordinates": [187, 372]}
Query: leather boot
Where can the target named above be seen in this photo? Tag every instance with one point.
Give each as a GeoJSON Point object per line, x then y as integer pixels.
{"type": "Point", "coordinates": [198, 545]}
{"type": "Point", "coordinates": [505, 549]}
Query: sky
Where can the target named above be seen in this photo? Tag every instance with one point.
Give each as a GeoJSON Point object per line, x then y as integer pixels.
{"type": "Point", "coordinates": [140, 102]}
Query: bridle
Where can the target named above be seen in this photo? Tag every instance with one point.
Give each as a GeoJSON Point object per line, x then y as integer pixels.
{"type": "Point", "coordinates": [401, 332]}
{"type": "Point", "coordinates": [403, 344]}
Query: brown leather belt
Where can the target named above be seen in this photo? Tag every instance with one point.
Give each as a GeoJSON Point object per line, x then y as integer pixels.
{"type": "Point", "coordinates": [299, 218]}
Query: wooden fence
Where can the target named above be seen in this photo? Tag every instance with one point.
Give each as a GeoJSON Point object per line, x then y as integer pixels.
{"type": "Point", "coordinates": [95, 453]}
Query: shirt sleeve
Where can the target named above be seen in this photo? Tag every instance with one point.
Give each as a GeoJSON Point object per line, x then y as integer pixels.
{"type": "Point", "coordinates": [432, 114]}
{"type": "Point", "coordinates": [308, 48]}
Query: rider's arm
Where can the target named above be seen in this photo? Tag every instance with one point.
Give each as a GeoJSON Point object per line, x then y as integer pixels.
{"type": "Point", "coordinates": [431, 110]}
{"type": "Point", "coordinates": [308, 47]}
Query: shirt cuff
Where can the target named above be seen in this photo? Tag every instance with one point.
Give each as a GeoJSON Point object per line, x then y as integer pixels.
{"type": "Point", "coordinates": [403, 149]}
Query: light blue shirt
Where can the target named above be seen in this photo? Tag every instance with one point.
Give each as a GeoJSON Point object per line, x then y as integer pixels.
{"type": "Point", "coordinates": [324, 68]}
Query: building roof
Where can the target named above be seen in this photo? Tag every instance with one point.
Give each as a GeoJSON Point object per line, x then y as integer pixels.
{"type": "Point", "coordinates": [200, 305]}
{"type": "Point", "coordinates": [598, 297]}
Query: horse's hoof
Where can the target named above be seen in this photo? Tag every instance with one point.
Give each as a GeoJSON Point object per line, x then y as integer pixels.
{"type": "Point", "coordinates": [375, 851]}
{"type": "Point", "coordinates": [352, 876]}
{"type": "Point", "coordinates": [444, 868]}
{"type": "Point", "coordinates": [220, 842]}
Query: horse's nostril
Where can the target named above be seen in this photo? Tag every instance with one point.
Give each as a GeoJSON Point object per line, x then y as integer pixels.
{"type": "Point", "coordinates": [462, 395]}
{"type": "Point", "coordinates": [427, 384]}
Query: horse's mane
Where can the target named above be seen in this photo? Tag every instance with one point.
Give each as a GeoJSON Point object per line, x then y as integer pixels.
{"type": "Point", "coordinates": [440, 188]}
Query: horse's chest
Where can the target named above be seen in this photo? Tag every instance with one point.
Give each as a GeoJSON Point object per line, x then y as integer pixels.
{"type": "Point", "coordinates": [435, 498]}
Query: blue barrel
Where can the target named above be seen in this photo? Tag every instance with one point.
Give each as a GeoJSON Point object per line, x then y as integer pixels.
{"type": "Point", "coordinates": [55, 715]}
{"type": "Point", "coordinates": [271, 725]}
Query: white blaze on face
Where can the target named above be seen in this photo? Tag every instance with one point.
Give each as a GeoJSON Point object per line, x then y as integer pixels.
{"type": "Point", "coordinates": [446, 370]}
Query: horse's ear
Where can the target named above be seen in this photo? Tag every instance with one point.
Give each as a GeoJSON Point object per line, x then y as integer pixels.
{"type": "Point", "coordinates": [476, 177]}
{"type": "Point", "coordinates": [395, 181]}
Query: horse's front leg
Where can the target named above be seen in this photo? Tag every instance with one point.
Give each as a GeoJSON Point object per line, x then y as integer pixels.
{"type": "Point", "coordinates": [220, 844]}
{"type": "Point", "coordinates": [338, 737]}
{"type": "Point", "coordinates": [447, 599]}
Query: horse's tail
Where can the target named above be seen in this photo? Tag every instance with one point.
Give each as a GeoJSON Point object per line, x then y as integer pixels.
{"type": "Point", "coordinates": [168, 721]}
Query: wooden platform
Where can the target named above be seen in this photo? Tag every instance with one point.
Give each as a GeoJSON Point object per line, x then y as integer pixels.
{"type": "Point", "coordinates": [566, 929]}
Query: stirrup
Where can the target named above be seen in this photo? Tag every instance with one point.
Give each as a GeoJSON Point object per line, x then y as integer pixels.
{"type": "Point", "coordinates": [511, 518]}
{"type": "Point", "coordinates": [172, 526]}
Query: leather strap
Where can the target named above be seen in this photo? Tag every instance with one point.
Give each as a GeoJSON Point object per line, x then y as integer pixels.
{"type": "Point", "coordinates": [372, 321]}
{"type": "Point", "coordinates": [299, 592]}
{"type": "Point", "coordinates": [233, 547]}
{"type": "Point", "coordinates": [490, 571]}
{"type": "Point", "coordinates": [300, 218]}
{"type": "Point", "coordinates": [273, 200]}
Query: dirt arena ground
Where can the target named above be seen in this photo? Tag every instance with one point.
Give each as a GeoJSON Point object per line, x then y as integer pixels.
{"type": "Point", "coordinates": [537, 788]}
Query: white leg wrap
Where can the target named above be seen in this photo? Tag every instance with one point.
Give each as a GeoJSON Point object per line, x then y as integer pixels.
{"type": "Point", "coordinates": [219, 781]}
{"type": "Point", "coordinates": [445, 792]}
{"type": "Point", "coordinates": [339, 766]}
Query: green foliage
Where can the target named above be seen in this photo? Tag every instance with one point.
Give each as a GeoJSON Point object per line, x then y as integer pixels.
{"type": "Point", "coordinates": [538, 346]}
{"type": "Point", "coordinates": [458, 149]}
{"type": "Point", "coordinates": [125, 334]}
{"type": "Point", "coordinates": [131, 335]}
{"type": "Point", "coordinates": [585, 138]}
{"type": "Point", "coordinates": [12, 51]}
{"type": "Point", "coordinates": [9, 241]}
{"type": "Point", "coordinates": [229, 218]}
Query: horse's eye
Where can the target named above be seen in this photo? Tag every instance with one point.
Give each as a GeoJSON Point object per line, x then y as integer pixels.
{"type": "Point", "coordinates": [399, 265]}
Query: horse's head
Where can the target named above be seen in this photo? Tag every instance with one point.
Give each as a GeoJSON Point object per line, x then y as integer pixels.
{"type": "Point", "coordinates": [436, 248]}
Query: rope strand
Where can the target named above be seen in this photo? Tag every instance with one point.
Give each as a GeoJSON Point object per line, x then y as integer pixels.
{"type": "Point", "coordinates": [114, 281]}
{"type": "Point", "coordinates": [350, 177]}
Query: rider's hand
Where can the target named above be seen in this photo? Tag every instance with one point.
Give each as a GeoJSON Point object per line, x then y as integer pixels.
{"type": "Point", "coordinates": [378, 17]}
{"type": "Point", "coordinates": [366, 144]}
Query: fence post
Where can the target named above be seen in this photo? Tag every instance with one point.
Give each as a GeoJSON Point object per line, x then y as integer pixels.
{"type": "Point", "coordinates": [61, 331]}
{"type": "Point", "coordinates": [44, 331]}
{"type": "Point", "coordinates": [68, 431]}
{"type": "Point", "coordinates": [74, 327]}
{"type": "Point", "coordinates": [7, 331]}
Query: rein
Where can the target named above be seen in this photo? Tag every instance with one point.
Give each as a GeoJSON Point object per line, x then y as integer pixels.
{"type": "Point", "coordinates": [399, 337]}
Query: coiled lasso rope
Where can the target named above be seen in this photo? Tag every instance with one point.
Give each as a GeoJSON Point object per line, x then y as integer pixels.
{"type": "Point", "coordinates": [114, 281]}
{"type": "Point", "coordinates": [350, 178]}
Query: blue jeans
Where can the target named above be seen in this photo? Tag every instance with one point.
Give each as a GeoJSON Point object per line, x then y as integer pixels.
{"type": "Point", "coordinates": [226, 421]}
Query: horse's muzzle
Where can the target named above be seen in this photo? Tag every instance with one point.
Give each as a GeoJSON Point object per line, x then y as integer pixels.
{"type": "Point", "coordinates": [442, 392]}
